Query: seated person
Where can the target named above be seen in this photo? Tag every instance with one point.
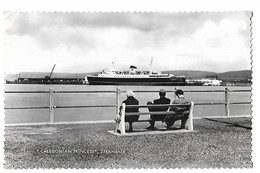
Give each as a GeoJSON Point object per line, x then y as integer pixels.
{"type": "Point", "coordinates": [131, 101]}
{"type": "Point", "coordinates": [180, 112]}
{"type": "Point", "coordinates": [161, 100]}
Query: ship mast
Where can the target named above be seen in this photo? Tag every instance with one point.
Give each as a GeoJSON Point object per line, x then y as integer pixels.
{"type": "Point", "coordinates": [114, 62]}
{"type": "Point", "coordinates": [151, 66]}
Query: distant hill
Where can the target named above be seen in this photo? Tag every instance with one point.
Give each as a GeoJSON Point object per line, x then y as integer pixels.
{"type": "Point", "coordinates": [243, 74]}
{"type": "Point", "coordinates": [191, 73]}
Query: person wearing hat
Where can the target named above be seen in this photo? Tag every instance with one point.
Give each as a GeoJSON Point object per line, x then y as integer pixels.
{"type": "Point", "coordinates": [180, 112]}
{"type": "Point", "coordinates": [131, 100]}
{"type": "Point", "coordinates": [161, 100]}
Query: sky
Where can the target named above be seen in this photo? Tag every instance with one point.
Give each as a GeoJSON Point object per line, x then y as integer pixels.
{"type": "Point", "coordinates": [90, 42]}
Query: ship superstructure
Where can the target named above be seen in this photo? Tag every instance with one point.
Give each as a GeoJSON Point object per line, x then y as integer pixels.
{"type": "Point", "coordinates": [134, 77]}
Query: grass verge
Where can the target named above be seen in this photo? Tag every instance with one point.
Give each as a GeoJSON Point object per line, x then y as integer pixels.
{"type": "Point", "coordinates": [215, 144]}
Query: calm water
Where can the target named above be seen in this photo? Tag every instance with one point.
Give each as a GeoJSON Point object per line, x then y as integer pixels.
{"type": "Point", "coordinates": [93, 114]}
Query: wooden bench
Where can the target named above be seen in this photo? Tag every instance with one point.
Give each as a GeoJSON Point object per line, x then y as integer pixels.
{"type": "Point", "coordinates": [120, 119]}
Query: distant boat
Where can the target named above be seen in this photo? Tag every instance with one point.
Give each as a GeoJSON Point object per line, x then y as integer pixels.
{"type": "Point", "coordinates": [134, 77]}
{"type": "Point", "coordinates": [211, 82]}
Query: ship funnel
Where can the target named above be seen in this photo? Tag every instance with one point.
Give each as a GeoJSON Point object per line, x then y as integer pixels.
{"type": "Point", "coordinates": [133, 69]}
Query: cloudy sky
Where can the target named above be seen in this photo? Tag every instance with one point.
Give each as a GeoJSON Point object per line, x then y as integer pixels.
{"type": "Point", "coordinates": [90, 42]}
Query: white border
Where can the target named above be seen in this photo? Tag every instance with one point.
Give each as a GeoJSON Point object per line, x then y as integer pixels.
{"type": "Point", "coordinates": [148, 5]}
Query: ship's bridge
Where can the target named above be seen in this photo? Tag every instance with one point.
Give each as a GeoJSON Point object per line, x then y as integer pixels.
{"type": "Point", "coordinates": [132, 72]}
{"type": "Point", "coordinates": [109, 72]}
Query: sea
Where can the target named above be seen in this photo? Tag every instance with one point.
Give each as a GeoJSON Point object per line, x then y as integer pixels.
{"type": "Point", "coordinates": [99, 97]}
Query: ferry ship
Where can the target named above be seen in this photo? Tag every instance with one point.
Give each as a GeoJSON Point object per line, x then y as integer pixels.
{"type": "Point", "coordinates": [134, 77]}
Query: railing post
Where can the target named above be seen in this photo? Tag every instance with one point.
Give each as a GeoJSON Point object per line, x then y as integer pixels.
{"type": "Point", "coordinates": [227, 101]}
{"type": "Point", "coordinates": [51, 105]}
{"type": "Point", "coordinates": [120, 121]}
{"type": "Point", "coordinates": [174, 95]}
{"type": "Point", "coordinates": [191, 116]}
{"type": "Point", "coordinates": [122, 128]}
{"type": "Point", "coordinates": [118, 92]}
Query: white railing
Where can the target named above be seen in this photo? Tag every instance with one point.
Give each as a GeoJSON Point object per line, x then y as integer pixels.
{"type": "Point", "coordinates": [118, 93]}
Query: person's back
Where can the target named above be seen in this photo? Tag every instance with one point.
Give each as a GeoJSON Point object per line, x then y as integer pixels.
{"type": "Point", "coordinates": [180, 100]}
{"type": "Point", "coordinates": [161, 100]}
{"type": "Point", "coordinates": [131, 101]}
{"type": "Point", "coordinates": [180, 112]}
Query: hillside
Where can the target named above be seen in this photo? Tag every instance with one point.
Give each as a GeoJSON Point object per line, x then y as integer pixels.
{"type": "Point", "coordinates": [191, 73]}
{"type": "Point", "coordinates": [243, 74]}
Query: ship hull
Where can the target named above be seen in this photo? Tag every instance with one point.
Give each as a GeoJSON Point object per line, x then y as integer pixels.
{"type": "Point", "coordinates": [151, 81]}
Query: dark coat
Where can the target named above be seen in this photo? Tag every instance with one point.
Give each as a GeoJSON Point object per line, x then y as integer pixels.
{"type": "Point", "coordinates": [180, 112]}
{"type": "Point", "coordinates": [131, 101]}
{"type": "Point", "coordinates": [161, 100]}
{"type": "Point", "coordinates": [183, 109]}
{"type": "Point", "coordinates": [181, 100]}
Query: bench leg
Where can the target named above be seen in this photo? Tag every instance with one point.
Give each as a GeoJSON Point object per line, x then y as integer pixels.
{"type": "Point", "coordinates": [120, 125]}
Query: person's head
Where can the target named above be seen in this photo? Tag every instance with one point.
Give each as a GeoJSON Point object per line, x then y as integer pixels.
{"type": "Point", "coordinates": [129, 93]}
{"type": "Point", "coordinates": [179, 92]}
{"type": "Point", "coordinates": [162, 92]}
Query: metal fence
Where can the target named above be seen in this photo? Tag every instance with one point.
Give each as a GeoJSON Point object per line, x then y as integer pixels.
{"type": "Point", "coordinates": [118, 93]}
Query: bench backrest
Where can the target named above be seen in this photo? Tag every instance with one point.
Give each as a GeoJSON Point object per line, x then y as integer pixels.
{"type": "Point", "coordinates": [180, 108]}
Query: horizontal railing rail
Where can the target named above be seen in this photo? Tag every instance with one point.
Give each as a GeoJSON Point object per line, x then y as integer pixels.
{"type": "Point", "coordinates": [29, 107]}
{"type": "Point", "coordinates": [235, 103]}
{"type": "Point", "coordinates": [26, 92]}
{"type": "Point", "coordinates": [109, 91]}
{"type": "Point", "coordinates": [240, 90]}
{"type": "Point", "coordinates": [118, 93]}
{"type": "Point", "coordinates": [69, 92]}
{"type": "Point", "coordinates": [89, 106]}
{"type": "Point", "coordinates": [222, 103]}
{"type": "Point", "coordinates": [82, 92]}
{"type": "Point", "coordinates": [112, 106]}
